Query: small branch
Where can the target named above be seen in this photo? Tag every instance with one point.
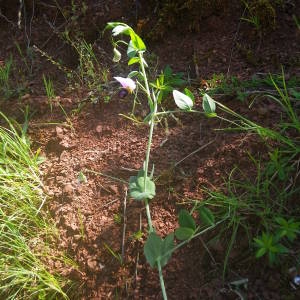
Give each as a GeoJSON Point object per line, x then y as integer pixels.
{"type": "Point", "coordinates": [124, 225]}
{"type": "Point", "coordinates": [194, 152]}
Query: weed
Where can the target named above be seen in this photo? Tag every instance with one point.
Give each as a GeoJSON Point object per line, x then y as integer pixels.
{"type": "Point", "coordinates": [297, 21]}
{"type": "Point", "coordinates": [5, 70]}
{"type": "Point", "coordinates": [117, 256]}
{"type": "Point", "coordinates": [90, 72]}
{"type": "Point", "coordinates": [219, 84]}
{"type": "Point", "coordinates": [48, 84]}
{"type": "Point", "coordinates": [266, 199]}
{"type": "Point", "coordinates": [261, 14]}
{"type": "Point", "coordinates": [25, 231]}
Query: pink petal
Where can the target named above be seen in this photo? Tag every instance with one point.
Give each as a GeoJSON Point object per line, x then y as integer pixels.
{"type": "Point", "coordinates": [126, 83]}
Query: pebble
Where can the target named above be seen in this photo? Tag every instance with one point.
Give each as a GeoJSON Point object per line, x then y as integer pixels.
{"type": "Point", "coordinates": [92, 264]}
{"type": "Point", "coordinates": [68, 189]}
{"type": "Point", "coordinates": [59, 132]}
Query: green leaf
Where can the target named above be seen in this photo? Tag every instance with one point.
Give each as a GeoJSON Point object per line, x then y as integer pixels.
{"type": "Point", "coordinates": [281, 221]}
{"type": "Point", "coordinates": [209, 105]}
{"type": "Point", "coordinates": [137, 42]}
{"type": "Point", "coordinates": [152, 248]}
{"type": "Point", "coordinates": [186, 220]}
{"type": "Point", "coordinates": [137, 188]}
{"type": "Point", "coordinates": [131, 51]}
{"type": "Point", "coordinates": [168, 71]}
{"type": "Point", "coordinates": [183, 101]}
{"type": "Point", "coordinates": [259, 253]}
{"type": "Point", "coordinates": [184, 233]}
{"type": "Point", "coordinates": [206, 215]}
{"type": "Point", "coordinates": [157, 249]}
{"type": "Point", "coordinates": [189, 94]}
{"type": "Point", "coordinates": [259, 243]}
{"type": "Point", "coordinates": [281, 248]}
{"type": "Point", "coordinates": [272, 257]}
{"type": "Point", "coordinates": [132, 74]}
{"type": "Point", "coordinates": [117, 55]}
{"type": "Point", "coordinates": [82, 178]}
{"type": "Point", "coordinates": [133, 60]}
{"type": "Point", "coordinates": [167, 246]}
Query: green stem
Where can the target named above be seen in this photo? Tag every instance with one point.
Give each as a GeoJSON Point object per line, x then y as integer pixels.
{"type": "Point", "coordinates": [161, 280]}
{"type": "Point", "coordinates": [147, 164]}
{"type": "Point", "coordinates": [194, 236]}
{"type": "Point", "coordinates": [150, 101]}
{"type": "Point", "coordinates": [152, 122]}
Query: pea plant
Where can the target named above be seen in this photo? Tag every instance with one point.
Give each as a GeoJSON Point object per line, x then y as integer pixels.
{"type": "Point", "coordinates": [157, 250]}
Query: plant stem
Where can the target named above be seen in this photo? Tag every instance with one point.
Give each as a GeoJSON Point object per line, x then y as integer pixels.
{"type": "Point", "coordinates": [147, 164]}
{"type": "Point", "coordinates": [150, 101]}
{"type": "Point", "coordinates": [152, 122]}
{"type": "Point", "coordinates": [161, 280]}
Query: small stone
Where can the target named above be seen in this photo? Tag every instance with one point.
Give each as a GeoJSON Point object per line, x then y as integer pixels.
{"type": "Point", "coordinates": [68, 189]}
{"type": "Point", "coordinates": [92, 264]}
{"type": "Point", "coordinates": [66, 144]}
{"type": "Point", "coordinates": [77, 237]}
{"type": "Point", "coordinates": [99, 129]}
{"type": "Point", "coordinates": [59, 132]}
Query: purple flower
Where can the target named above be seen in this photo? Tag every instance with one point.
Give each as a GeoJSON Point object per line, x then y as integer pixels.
{"type": "Point", "coordinates": [126, 83]}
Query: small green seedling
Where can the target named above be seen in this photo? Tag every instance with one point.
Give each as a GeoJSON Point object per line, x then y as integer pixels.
{"type": "Point", "coordinates": [269, 245]}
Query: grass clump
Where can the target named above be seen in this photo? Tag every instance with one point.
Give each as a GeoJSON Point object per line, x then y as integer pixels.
{"type": "Point", "coordinates": [25, 232]}
{"type": "Point", "coordinates": [263, 208]}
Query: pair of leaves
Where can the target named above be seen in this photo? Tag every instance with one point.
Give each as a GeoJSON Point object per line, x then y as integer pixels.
{"type": "Point", "coordinates": [156, 249]}
{"type": "Point", "coordinates": [186, 101]}
{"type": "Point", "coordinates": [187, 225]}
{"type": "Point", "coordinates": [139, 189]}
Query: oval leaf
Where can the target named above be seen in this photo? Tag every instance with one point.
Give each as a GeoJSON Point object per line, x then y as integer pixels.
{"type": "Point", "coordinates": [206, 215]}
{"type": "Point", "coordinates": [133, 60]}
{"type": "Point", "coordinates": [167, 247]}
{"type": "Point", "coordinates": [138, 190]}
{"type": "Point", "coordinates": [209, 105]}
{"type": "Point", "coordinates": [132, 74]}
{"type": "Point", "coordinates": [186, 220]}
{"type": "Point", "coordinates": [131, 51]}
{"type": "Point", "coordinates": [152, 248]}
{"type": "Point", "coordinates": [137, 42]}
{"type": "Point", "coordinates": [183, 101]}
{"type": "Point", "coordinates": [189, 94]}
{"type": "Point", "coordinates": [184, 233]}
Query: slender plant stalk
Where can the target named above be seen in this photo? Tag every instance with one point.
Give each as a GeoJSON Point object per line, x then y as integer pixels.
{"type": "Point", "coordinates": [145, 78]}
{"type": "Point", "coordinates": [152, 121]}
{"type": "Point", "coordinates": [161, 280]}
{"type": "Point", "coordinates": [152, 101]}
